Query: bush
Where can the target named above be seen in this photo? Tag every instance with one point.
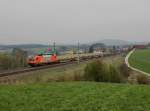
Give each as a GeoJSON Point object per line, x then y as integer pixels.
{"type": "Point", "coordinates": [124, 70]}
{"type": "Point", "coordinates": [95, 71]}
{"type": "Point", "coordinates": [114, 75]}
{"type": "Point", "coordinates": [101, 72]}
{"type": "Point", "coordinates": [143, 79]}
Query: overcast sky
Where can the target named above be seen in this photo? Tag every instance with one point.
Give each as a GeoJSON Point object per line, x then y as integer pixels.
{"type": "Point", "coordinates": [67, 21]}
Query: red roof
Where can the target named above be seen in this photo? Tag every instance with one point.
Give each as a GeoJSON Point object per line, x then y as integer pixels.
{"type": "Point", "coordinates": [139, 46]}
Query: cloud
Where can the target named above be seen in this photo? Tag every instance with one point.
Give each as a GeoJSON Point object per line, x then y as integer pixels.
{"type": "Point", "coordinates": [67, 21]}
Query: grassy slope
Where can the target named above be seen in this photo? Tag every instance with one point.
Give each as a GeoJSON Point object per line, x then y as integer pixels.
{"type": "Point", "coordinates": [140, 59]}
{"type": "Point", "coordinates": [75, 96]}
{"type": "Point", "coordinates": [47, 75]}
{"type": "Point", "coordinates": [56, 74]}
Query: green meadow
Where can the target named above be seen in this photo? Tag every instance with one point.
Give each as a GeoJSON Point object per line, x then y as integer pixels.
{"type": "Point", "coordinates": [75, 96]}
{"type": "Point", "coordinates": [140, 59]}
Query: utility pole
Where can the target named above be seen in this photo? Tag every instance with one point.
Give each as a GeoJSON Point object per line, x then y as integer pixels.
{"type": "Point", "coordinates": [49, 46]}
{"type": "Point", "coordinates": [78, 52]}
{"type": "Point", "coordinates": [54, 45]}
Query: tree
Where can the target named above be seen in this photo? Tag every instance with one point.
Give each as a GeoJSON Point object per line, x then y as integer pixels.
{"type": "Point", "coordinates": [20, 57]}
{"type": "Point", "coordinates": [96, 45]}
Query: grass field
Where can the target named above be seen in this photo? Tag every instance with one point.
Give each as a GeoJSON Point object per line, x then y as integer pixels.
{"type": "Point", "coordinates": [140, 59]}
{"type": "Point", "coordinates": [75, 96]}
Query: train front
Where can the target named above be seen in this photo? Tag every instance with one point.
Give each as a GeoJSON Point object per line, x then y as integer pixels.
{"type": "Point", "coordinates": [44, 57]}
{"type": "Point", "coordinates": [35, 60]}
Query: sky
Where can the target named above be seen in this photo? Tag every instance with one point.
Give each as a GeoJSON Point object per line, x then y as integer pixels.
{"type": "Point", "coordinates": [70, 21]}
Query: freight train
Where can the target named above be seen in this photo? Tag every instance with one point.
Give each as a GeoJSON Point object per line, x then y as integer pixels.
{"type": "Point", "coordinates": [49, 56]}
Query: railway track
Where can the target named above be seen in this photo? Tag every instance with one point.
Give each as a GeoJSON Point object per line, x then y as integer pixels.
{"type": "Point", "coordinates": [19, 72]}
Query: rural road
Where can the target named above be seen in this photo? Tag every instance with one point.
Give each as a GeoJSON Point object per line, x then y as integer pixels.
{"type": "Point", "coordinates": [135, 69]}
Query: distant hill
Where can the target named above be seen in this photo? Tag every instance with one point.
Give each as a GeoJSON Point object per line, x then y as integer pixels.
{"type": "Point", "coordinates": [22, 46]}
{"type": "Point", "coordinates": [116, 42]}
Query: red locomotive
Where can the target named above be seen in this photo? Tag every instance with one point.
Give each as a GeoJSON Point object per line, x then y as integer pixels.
{"type": "Point", "coordinates": [46, 57]}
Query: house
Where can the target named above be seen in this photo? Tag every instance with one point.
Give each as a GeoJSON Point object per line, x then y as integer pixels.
{"type": "Point", "coordinates": [139, 46]}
